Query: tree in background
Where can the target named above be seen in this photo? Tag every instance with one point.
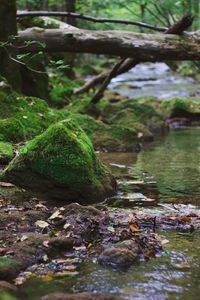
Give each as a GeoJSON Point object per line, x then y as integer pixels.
{"type": "Point", "coordinates": [8, 28]}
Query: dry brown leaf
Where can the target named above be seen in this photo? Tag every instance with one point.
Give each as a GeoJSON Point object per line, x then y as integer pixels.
{"type": "Point", "coordinates": [41, 224]}
{"type": "Point", "coordinates": [6, 184]}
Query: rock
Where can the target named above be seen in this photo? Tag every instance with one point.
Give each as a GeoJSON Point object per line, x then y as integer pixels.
{"type": "Point", "coordinates": [123, 255]}
{"type": "Point", "coordinates": [80, 296]}
{"type": "Point", "coordinates": [61, 164]}
{"type": "Point", "coordinates": [181, 111]}
{"type": "Point", "coordinates": [84, 212]}
{"type": "Point", "coordinates": [60, 244]}
{"type": "Point", "coordinates": [9, 268]}
{"type": "Point", "coordinates": [8, 286]}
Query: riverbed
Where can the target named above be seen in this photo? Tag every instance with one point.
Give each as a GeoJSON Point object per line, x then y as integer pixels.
{"type": "Point", "coordinates": [154, 79]}
{"type": "Point", "coordinates": [171, 166]}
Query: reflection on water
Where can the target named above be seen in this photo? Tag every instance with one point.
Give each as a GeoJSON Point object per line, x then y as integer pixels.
{"type": "Point", "coordinates": [174, 163]}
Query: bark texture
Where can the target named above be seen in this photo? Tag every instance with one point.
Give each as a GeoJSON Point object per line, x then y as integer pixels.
{"type": "Point", "coordinates": [143, 47]}
{"type": "Point", "coordinates": [8, 28]}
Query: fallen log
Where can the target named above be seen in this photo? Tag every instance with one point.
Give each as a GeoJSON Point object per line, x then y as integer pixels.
{"type": "Point", "coordinates": [140, 46]}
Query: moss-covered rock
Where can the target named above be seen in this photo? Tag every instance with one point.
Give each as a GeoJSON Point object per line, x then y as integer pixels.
{"type": "Point", "coordinates": [127, 119]}
{"type": "Point", "coordinates": [173, 105]}
{"type": "Point", "coordinates": [6, 152]}
{"type": "Point", "coordinates": [22, 118]}
{"type": "Point", "coordinates": [9, 268]}
{"type": "Point", "coordinates": [61, 163]}
{"type": "Point", "coordinates": [113, 137]}
{"type": "Point", "coordinates": [12, 130]}
{"type": "Point", "coordinates": [6, 296]}
{"type": "Point", "coordinates": [181, 111]}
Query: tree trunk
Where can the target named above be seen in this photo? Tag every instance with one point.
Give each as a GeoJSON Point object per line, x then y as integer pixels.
{"type": "Point", "coordinates": [70, 6]}
{"type": "Point", "coordinates": [69, 58]}
{"type": "Point", "coordinates": [8, 68]}
{"type": "Point", "coordinates": [141, 46]}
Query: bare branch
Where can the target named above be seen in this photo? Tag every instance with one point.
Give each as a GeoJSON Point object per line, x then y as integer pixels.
{"type": "Point", "coordinates": [125, 67]}
{"type": "Point", "coordinates": [181, 25]}
{"type": "Point", "coordinates": [107, 80]}
{"type": "Point", "coordinates": [87, 18]}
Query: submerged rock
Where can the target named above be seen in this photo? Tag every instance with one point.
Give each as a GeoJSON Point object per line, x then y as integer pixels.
{"type": "Point", "coordinates": [61, 164]}
{"type": "Point", "coordinates": [123, 255]}
{"type": "Point", "coordinates": [80, 296]}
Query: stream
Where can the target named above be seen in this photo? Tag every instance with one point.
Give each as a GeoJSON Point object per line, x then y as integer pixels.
{"type": "Point", "coordinates": [154, 79]}
{"type": "Point", "coordinates": [170, 168]}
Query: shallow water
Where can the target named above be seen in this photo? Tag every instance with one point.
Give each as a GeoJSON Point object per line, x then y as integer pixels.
{"type": "Point", "coordinates": [174, 162]}
{"type": "Point", "coordinates": [154, 79]}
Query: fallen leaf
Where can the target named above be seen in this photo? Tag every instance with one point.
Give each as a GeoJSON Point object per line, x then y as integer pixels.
{"type": "Point", "coordinates": [134, 228]}
{"type": "Point", "coordinates": [70, 268]}
{"type": "Point", "coordinates": [41, 224]}
{"type": "Point", "coordinates": [46, 244]}
{"type": "Point", "coordinates": [45, 258]}
{"type": "Point", "coordinates": [6, 184]}
{"type": "Point", "coordinates": [23, 238]}
{"type": "Point", "coordinates": [164, 242]}
{"type": "Point", "coordinates": [66, 226]}
{"type": "Point", "coordinates": [55, 215]}
{"type": "Point", "coordinates": [185, 219]}
{"type": "Point", "coordinates": [20, 280]}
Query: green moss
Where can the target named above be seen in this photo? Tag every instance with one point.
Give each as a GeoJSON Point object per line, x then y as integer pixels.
{"type": "Point", "coordinates": [6, 152]}
{"type": "Point", "coordinates": [63, 155]}
{"type": "Point", "coordinates": [7, 262]}
{"type": "Point", "coordinates": [11, 130]}
{"type": "Point", "coordinates": [62, 89]}
{"type": "Point", "coordinates": [9, 268]}
{"type": "Point", "coordinates": [42, 154]}
{"type": "Point", "coordinates": [45, 22]}
{"type": "Point", "coordinates": [174, 104]}
{"type": "Point", "coordinates": [6, 296]}
{"type": "Point", "coordinates": [81, 105]}
{"type": "Point", "coordinates": [23, 117]}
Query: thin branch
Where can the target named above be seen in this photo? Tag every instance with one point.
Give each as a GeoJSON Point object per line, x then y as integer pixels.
{"type": "Point", "coordinates": [107, 80]}
{"type": "Point", "coordinates": [125, 67]}
{"type": "Point", "coordinates": [88, 18]}
{"type": "Point", "coordinates": [22, 63]}
{"type": "Point", "coordinates": [155, 16]}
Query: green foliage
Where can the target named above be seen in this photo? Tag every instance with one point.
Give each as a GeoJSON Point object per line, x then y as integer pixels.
{"type": "Point", "coordinates": [61, 89]}
{"type": "Point", "coordinates": [159, 12]}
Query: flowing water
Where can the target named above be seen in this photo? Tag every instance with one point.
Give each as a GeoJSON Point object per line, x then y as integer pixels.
{"type": "Point", "coordinates": [172, 164]}
{"type": "Point", "coordinates": [154, 79]}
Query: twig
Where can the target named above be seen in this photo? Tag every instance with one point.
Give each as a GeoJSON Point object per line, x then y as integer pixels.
{"type": "Point", "coordinates": [22, 63]}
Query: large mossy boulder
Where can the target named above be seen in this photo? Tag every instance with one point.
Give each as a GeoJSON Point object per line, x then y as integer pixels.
{"type": "Point", "coordinates": [181, 111]}
{"type": "Point", "coordinates": [61, 164]}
